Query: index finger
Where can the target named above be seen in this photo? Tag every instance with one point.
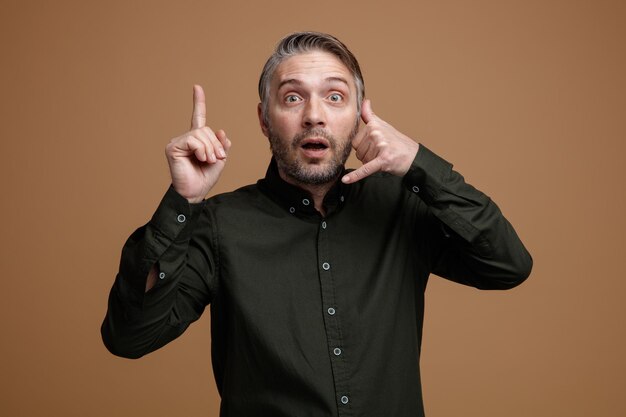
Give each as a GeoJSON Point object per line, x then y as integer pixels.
{"type": "Point", "coordinates": [198, 117]}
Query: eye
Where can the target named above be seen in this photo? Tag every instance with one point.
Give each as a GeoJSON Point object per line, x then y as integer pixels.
{"type": "Point", "coordinates": [292, 98]}
{"type": "Point", "coordinates": [336, 98]}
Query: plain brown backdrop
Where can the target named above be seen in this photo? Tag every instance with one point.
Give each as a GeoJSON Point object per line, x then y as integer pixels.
{"type": "Point", "coordinates": [526, 98]}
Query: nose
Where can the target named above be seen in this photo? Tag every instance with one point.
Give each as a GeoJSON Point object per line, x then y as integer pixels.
{"type": "Point", "coordinates": [314, 115]}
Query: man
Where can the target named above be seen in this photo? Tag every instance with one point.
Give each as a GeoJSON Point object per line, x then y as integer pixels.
{"type": "Point", "coordinates": [315, 275]}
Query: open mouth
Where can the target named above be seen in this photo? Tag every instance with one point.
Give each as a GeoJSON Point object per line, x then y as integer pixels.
{"type": "Point", "coordinates": [315, 144]}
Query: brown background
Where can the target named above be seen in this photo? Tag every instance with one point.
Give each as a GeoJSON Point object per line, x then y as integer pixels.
{"type": "Point", "coordinates": [527, 98]}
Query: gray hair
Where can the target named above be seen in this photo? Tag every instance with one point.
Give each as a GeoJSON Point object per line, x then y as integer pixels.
{"type": "Point", "coordinates": [302, 42]}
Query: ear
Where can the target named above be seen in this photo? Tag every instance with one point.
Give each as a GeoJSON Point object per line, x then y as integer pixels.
{"type": "Point", "coordinates": [259, 111]}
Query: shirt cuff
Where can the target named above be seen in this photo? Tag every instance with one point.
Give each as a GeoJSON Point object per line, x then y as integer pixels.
{"type": "Point", "coordinates": [173, 216]}
{"type": "Point", "coordinates": [426, 174]}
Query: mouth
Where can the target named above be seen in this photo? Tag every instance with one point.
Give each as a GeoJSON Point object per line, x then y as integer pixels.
{"type": "Point", "coordinates": [315, 144]}
{"type": "Point", "coordinates": [314, 148]}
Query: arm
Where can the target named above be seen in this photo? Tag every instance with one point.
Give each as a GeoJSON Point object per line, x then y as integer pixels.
{"type": "Point", "coordinates": [465, 234]}
{"type": "Point", "coordinates": [180, 252]}
{"type": "Point", "coordinates": [166, 278]}
{"type": "Point", "coordinates": [463, 231]}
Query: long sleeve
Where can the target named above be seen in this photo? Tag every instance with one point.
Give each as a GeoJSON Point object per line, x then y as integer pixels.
{"type": "Point", "coordinates": [467, 238]}
{"type": "Point", "coordinates": [179, 242]}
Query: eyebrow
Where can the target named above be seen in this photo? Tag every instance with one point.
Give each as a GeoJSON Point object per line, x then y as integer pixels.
{"type": "Point", "coordinates": [298, 82]}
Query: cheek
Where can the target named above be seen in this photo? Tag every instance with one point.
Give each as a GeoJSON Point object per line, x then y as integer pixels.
{"type": "Point", "coordinates": [284, 124]}
{"type": "Point", "coordinates": [347, 124]}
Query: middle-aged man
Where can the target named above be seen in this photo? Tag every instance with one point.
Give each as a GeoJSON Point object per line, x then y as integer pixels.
{"type": "Point", "coordinates": [315, 275]}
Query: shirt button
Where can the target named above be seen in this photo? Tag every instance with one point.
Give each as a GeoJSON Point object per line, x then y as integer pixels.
{"type": "Point", "coordinates": [326, 266]}
{"type": "Point", "coordinates": [331, 311]}
{"type": "Point", "coordinates": [344, 400]}
{"type": "Point", "coordinates": [292, 210]}
{"type": "Point", "coordinates": [306, 202]}
{"type": "Point", "coordinates": [162, 275]}
{"type": "Point", "coordinates": [323, 225]}
{"type": "Point", "coordinates": [337, 351]}
{"type": "Point", "coordinates": [341, 199]}
{"type": "Point", "coordinates": [416, 189]}
{"type": "Point", "coordinates": [181, 218]}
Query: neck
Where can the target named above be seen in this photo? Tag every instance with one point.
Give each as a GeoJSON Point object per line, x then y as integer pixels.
{"type": "Point", "coordinates": [317, 191]}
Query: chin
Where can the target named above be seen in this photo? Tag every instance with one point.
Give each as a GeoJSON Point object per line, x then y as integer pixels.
{"type": "Point", "coordinates": [314, 174]}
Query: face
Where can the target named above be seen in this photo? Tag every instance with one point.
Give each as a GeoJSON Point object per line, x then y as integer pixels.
{"type": "Point", "coordinates": [312, 117]}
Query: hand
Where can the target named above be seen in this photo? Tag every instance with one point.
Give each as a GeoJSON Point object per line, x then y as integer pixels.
{"type": "Point", "coordinates": [197, 158]}
{"type": "Point", "coordinates": [380, 147]}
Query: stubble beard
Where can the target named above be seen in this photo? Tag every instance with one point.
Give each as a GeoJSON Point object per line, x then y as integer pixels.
{"type": "Point", "coordinates": [290, 165]}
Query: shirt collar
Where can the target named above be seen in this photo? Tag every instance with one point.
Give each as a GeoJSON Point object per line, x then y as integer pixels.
{"type": "Point", "coordinates": [296, 200]}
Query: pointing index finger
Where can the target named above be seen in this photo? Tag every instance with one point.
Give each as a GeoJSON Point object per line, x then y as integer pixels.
{"type": "Point", "coordinates": [198, 117]}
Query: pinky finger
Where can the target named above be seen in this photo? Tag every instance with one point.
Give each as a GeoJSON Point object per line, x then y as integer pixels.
{"type": "Point", "coordinates": [221, 136]}
{"type": "Point", "coordinates": [366, 170]}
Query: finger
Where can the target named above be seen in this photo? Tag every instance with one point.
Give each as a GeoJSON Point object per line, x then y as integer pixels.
{"type": "Point", "coordinates": [216, 145]}
{"type": "Point", "coordinates": [367, 114]}
{"type": "Point", "coordinates": [372, 152]}
{"type": "Point", "coordinates": [366, 170]}
{"type": "Point", "coordinates": [362, 150]}
{"type": "Point", "coordinates": [358, 138]}
{"type": "Point", "coordinates": [198, 147]}
{"type": "Point", "coordinates": [198, 117]}
{"type": "Point", "coordinates": [221, 136]}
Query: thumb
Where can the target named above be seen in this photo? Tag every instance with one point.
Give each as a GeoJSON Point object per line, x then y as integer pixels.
{"type": "Point", "coordinates": [367, 114]}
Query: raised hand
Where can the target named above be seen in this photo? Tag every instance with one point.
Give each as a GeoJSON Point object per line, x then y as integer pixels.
{"type": "Point", "coordinates": [197, 158]}
{"type": "Point", "coordinates": [380, 147]}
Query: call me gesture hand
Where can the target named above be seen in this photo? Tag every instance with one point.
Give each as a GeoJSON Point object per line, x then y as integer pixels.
{"type": "Point", "coordinates": [197, 158]}
{"type": "Point", "coordinates": [380, 147]}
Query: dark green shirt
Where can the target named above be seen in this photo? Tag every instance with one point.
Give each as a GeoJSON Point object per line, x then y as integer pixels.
{"type": "Point", "coordinates": [311, 315]}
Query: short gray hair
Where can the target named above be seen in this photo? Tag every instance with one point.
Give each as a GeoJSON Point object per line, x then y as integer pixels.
{"type": "Point", "coordinates": [302, 42]}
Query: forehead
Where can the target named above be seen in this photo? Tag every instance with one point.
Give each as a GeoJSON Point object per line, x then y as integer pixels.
{"type": "Point", "coordinates": [310, 67]}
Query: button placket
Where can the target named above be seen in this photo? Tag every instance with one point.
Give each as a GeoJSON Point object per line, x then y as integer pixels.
{"type": "Point", "coordinates": [332, 320]}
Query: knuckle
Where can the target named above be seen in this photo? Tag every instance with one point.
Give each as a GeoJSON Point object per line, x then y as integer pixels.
{"type": "Point", "coordinates": [376, 134]}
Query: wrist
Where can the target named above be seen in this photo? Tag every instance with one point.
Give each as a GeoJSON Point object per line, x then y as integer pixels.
{"type": "Point", "coordinates": [407, 160]}
{"type": "Point", "coordinates": [191, 198]}
{"type": "Point", "coordinates": [195, 200]}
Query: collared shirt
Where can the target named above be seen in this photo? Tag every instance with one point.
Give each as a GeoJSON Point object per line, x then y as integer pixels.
{"type": "Point", "coordinates": [311, 315]}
